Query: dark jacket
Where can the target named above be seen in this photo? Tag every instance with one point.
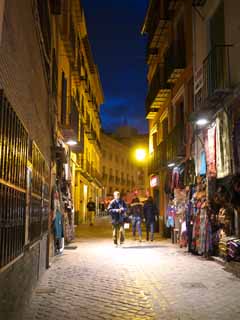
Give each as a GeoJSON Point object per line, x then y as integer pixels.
{"type": "Point", "coordinates": [136, 210]}
{"type": "Point", "coordinates": [91, 206]}
{"type": "Point", "coordinates": [150, 211]}
{"type": "Point", "coordinates": [117, 217]}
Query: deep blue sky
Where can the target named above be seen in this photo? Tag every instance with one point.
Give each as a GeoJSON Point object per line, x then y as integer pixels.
{"type": "Point", "coordinates": [114, 28]}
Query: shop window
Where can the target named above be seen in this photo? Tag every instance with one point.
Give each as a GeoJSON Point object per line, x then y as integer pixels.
{"type": "Point", "coordinates": [64, 100]}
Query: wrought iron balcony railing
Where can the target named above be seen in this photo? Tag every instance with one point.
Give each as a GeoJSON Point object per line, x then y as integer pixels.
{"type": "Point", "coordinates": [158, 159]}
{"type": "Point", "coordinates": [158, 15]}
{"type": "Point", "coordinates": [175, 62]}
{"type": "Point", "coordinates": [158, 93]}
{"type": "Point", "coordinates": [216, 73]}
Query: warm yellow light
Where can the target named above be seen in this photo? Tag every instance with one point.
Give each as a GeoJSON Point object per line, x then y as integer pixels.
{"type": "Point", "coordinates": [140, 154]}
{"type": "Point", "coordinates": [71, 142]}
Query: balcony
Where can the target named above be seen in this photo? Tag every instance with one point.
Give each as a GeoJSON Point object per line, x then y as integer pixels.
{"type": "Point", "coordinates": [175, 63]}
{"type": "Point", "coordinates": [111, 178]}
{"type": "Point", "coordinates": [104, 177]}
{"type": "Point", "coordinates": [175, 144]}
{"type": "Point", "coordinates": [68, 33]}
{"type": "Point", "coordinates": [71, 131]}
{"type": "Point", "coordinates": [76, 70]}
{"type": "Point", "coordinates": [216, 75]}
{"type": "Point", "coordinates": [77, 10]}
{"type": "Point", "coordinates": [85, 168]}
{"type": "Point", "coordinates": [158, 93]}
{"type": "Point", "coordinates": [158, 159]}
{"type": "Point", "coordinates": [123, 181]}
{"type": "Point", "coordinates": [156, 24]}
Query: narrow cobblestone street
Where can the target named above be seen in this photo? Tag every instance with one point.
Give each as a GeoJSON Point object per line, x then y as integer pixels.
{"type": "Point", "coordinates": [136, 281]}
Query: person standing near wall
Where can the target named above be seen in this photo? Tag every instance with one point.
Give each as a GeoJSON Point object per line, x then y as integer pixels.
{"type": "Point", "coordinates": [91, 206]}
{"type": "Point", "coordinates": [136, 211]}
{"type": "Point", "coordinates": [150, 212]}
{"type": "Point", "coordinates": [117, 209]}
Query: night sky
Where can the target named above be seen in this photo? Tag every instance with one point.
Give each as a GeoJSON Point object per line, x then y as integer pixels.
{"type": "Point", "coordinates": [114, 28]}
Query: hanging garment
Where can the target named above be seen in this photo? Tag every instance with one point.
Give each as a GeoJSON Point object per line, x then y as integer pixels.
{"type": "Point", "coordinates": [223, 155]}
{"type": "Point", "coordinates": [171, 213]}
{"type": "Point", "coordinates": [203, 164]}
{"type": "Point", "coordinates": [236, 146]}
{"type": "Point", "coordinates": [190, 173]}
{"type": "Point", "coordinates": [210, 149]}
{"type": "Point", "coordinates": [58, 225]}
{"type": "Point", "coordinates": [175, 178]}
{"type": "Point", "coordinates": [202, 235]}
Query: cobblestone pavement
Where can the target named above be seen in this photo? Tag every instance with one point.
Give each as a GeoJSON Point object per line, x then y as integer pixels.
{"type": "Point", "coordinates": [136, 281]}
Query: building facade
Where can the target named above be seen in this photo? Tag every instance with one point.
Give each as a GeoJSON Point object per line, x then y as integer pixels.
{"type": "Point", "coordinates": [78, 98]}
{"type": "Point", "coordinates": [120, 169]}
{"type": "Point", "coordinates": [50, 97]}
{"type": "Point", "coordinates": [168, 25]}
{"type": "Point", "coordinates": [194, 121]}
{"type": "Point", "coordinates": [25, 154]}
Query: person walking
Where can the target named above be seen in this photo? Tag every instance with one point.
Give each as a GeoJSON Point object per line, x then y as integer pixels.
{"type": "Point", "coordinates": [91, 206]}
{"type": "Point", "coordinates": [150, 213]}
{"type": "Point", "coordinates": [136, 211]}
{"type": "Point", "coordinates": [117, 209]}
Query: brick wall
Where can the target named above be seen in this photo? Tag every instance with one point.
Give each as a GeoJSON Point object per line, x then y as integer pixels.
{"type": "Point", "coordinates": [17, 282]}
{"type": "Point", "coordinates": [23, 80]}
{"type": "Point", "coordinates": [21, 71]}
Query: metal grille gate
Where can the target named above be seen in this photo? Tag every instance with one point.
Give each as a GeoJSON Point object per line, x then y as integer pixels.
{"type": "Point", "coordinates": [39, 207]}
{"type": "Point", "coordinates": [13, 162]}
{"type": "Point", "coordinates": [14, 152]}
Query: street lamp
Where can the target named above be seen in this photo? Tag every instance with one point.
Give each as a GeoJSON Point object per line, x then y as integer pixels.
{"type": "Point", "coordinates": [202, 122]}
{"type": "Point", "coordinates": [71, 142]}
{"type": "Point", "coordinates": [140, 154]}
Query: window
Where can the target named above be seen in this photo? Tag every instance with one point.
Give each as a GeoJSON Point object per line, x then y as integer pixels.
{"type": "Point", "coordinates": [54, 74]}
{"type": "Point", "coordinates": [165, 129]}
{"type": "Point", "coordinates": [64, 100]}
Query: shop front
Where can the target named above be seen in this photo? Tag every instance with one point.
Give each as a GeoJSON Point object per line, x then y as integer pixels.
{"type": "Point", "coordinates": [62, 218]}
{"type": "Point", "coordinates": [203, 208]}
{"type": "Point", "coordinates": [155, 186]}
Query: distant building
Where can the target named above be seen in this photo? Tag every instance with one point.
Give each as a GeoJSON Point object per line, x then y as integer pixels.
{"type": "Point", "coordinates": [120, 169]}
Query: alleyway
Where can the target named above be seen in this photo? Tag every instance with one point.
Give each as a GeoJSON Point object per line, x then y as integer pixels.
{"type": "Point", "coordinates": [137, 281]}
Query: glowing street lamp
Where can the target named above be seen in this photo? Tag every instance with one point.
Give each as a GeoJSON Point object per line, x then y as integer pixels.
{"type": "Point", "coordinates": [140, 154]}
{"type": "Point", "coordinates": [202, 122]}
{"type": "Point", "coordinates": [71, 142]}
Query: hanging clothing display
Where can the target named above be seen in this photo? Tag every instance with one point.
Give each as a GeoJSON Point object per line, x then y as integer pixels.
{"type": "Point", "coordinates": [203, 164]}
{"type": "Point", "coordinates": [223, 154]}
{"type": "Point", "coordinates": [189, 173]}
{"type": "Point", "coordinates": [210, 149]}
{"type": "Point", "coordinates": [236, 146]}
